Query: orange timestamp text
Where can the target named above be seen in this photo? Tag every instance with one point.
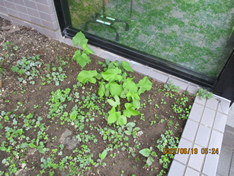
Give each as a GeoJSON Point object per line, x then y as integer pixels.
{"type": "Point", "coordinates": [190, 150]}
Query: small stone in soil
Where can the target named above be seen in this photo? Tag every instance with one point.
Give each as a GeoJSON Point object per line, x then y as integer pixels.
{"type": "Point", "coordinates": [71, 142]}
{"type": "Point", "coordinates": [64, 135]}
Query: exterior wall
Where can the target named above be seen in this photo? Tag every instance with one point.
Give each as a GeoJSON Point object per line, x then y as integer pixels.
{"type": "Point", "coordinates": [38, 14]}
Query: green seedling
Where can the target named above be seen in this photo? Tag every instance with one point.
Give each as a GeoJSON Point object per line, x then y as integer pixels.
{"type": "Point", "coordinates": [203, 93]}
{"type": "Point", "coordinates": [171, 87]}
{"type": "Point", "coordinates": [102, 156]}
{"type": "Point", "coordinates": [81, 58]}
{"type": "Point", "coordinates": [149, 154]}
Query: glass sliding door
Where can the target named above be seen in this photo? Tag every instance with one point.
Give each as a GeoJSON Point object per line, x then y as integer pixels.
{"type": "Point", "coordinates": [192, 34]}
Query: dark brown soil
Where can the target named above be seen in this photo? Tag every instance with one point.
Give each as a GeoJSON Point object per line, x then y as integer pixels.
{"type": "Point", "coordinates": [31, 43]}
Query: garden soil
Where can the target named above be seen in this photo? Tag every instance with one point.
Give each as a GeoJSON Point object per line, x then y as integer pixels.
{"type": "Point", "coordinates": [31, 43]}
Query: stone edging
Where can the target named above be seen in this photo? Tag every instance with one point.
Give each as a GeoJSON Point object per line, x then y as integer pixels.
{"type": "Point", "coordinates": [204, 128]}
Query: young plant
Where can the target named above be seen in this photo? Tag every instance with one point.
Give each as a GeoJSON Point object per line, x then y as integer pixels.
{"type": "Point", "coordinates": [102, 156]}
{"type": "Point", "coordinates": [130, 130]}
{"type": "Point", "coordinates": [148, 153]}
{"type": "Point", "coordinates": [171, 87]}
{"type": "Point", "coordinates": [203, 93]}
{"type": "Point", "coordinates": [81, 58]}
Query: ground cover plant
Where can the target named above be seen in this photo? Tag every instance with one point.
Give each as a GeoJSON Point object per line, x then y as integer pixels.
{"type": "Point", "coordinates": [82, 115]}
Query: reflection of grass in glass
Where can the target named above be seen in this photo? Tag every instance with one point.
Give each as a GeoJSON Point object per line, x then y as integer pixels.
{"type": "Point", "coordinates": [194, 33]}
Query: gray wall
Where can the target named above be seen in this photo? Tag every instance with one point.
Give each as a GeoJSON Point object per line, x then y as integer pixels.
{"type": "Point", "coordinates": [38, 14]}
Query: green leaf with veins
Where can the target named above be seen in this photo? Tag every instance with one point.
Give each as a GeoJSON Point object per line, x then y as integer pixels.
{"type": "Point", "coordinates": [114, 103]}
{"type": "Point", "coordinates": [32, 145]}
{"type": "Point", "coordinates": [14, 69]}
{"type": "Point", "coordinates": [149, 161]}
{"type": "Point", "coordinates": [130, 125]}
{"type": "Point", "coordinates": [126, 66]}
{"type": "Point", "coordinates": [145, 152]}
{"type": "Point", "coordinates": [115, 89]}
{"type": "Point", "coordinates": [102, 156]}
{"type": "Point", "coordinates": [113, 116]}
{"type": "Point", "coordinates": [135, 99]}
{"type": "Point", "coordinates": [87, 50]}
{"type": "Point", "coordinates": [122, 120]}
{"type": "Point", "coordinates": [79, 38]}
{"type": "Point", "coordinates": [101, 90]}
{"type": "Point", "coordinates": [112, 75]}
{"type": "Point", "coordinates": [130, 111]}
{"type": "Point", "coordinates": [81, 59]}
{"type": "Point", "coordinates": [42, 149]}
{"type": "Point", "coordinates": [154, 154]}
{"type": "Point", "coordinates": [87, 76]}
{"type": "Point", "coordinates": [73, 115]}
{"type": "Point", "coordinates": [130, 85]}
{"type": "Point", "coordinates": [144, 85]}
{"type": "Point", "coordinates": [128, 132]}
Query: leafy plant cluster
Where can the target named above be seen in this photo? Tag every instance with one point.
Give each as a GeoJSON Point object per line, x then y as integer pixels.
{"type": "Point", "coordinates": [203, 93]}
{"type": "Point", "coordinates": [180, 106]}
{"type": "Point", "coordinates": [17, 143]}
{"type": "Point", "coordinates": [149, 154]}
{"type": "Point", "coordinates": [56, 102]}
{"type": "Point", "coordinates": [118, 94]}
{"type": "Point", "coordinates": [166, 141]}
{"type": "Point", "coordinates": [10, 49]}
{"type": "Point", "coordinates": [57, 75]}
{"type": "Point", "coordinates": [81, 57]}
{"type": "Point", "coordinates": [28, 68]}
{"type": "Point", "coordinates": [171, 87]}
{"type": "Point", "coordinates": [114, 83]}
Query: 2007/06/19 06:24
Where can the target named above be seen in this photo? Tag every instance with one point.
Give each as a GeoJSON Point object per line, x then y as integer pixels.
{"type": "Point", "coordinates": [190, 150]}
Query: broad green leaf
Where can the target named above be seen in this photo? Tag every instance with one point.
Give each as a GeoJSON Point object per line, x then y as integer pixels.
{"type": "Point", "coordinates": [81, 59]}
{"type": "Point", "coordinates": [136, 129]}
{"type": "Point", "coordinates": [102, 156]}
{"type": "Point", "coordinates": [126, 66]}
{"type": "Point", "coordinates": [127, 132]}
{"type": "Point", "coordinates": [154, 154]}
{"type": "Point", "coordinates": [130, 125]}
{"type": "Point", "coordinates": [79, 38]}
{"type": "Point", "coordinates": [85, 76]}
{"type": "Point", "coordinates": [130, 85]}
{"type": "Point", "coordinates": [101, 90]}
{"type": "Point", "coordinates": [42, 149]}
{"type": "Point", "coordinates": [32, 145]}
{"type": "Point", "coordinates": [24, 145]}
{"type": "Point", "coordinates": [149, 161]}
{"type": "Point", "coordinates": [114, 103]}
{"type": "Point", "coordinates": [144, 85]}
{"type": "Point", "coordinates": [145, 152]}
{"type": "Point", "coordinates": [124, 75]}
{"type": "Point", "coordinates": [87, 50]}
{"type": "Point", "coordinates": [73, 115]}
{"type": "Point", "coordinates": [115, 89]}
{"type": "Point", "coordinates": [124, 93]}
{"type": "Point", "coordinates": [112, 74]}
{"type": "Point", "coordinates": [135, 99]}
{"type": "Point", "coordinates": [130, 110]}
{"type": "Point", "coordinates": [113, 116]}
{"type": "Point", "coordinates": [14, 69]}
{"type": "Point", "coordinates": [122, 120]}
{"type": "Point", "coordinates": [67, 91]}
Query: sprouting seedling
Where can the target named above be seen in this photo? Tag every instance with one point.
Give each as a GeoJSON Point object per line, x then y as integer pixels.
{"type": "Point", "coordinates": [171, 87]}
{"type": "Point", "coordinates": [114, 103]}
{"type": "Point", "coordinates": [148, 153]}
{"type": "Point", "coordinates": [81, 58]}
{"type": "Point", "coordinates": [130, 130]}
{"type": "Point", "coordinates": [102, 156]}
{"type": "Point", "coordinates": [204, 94]}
